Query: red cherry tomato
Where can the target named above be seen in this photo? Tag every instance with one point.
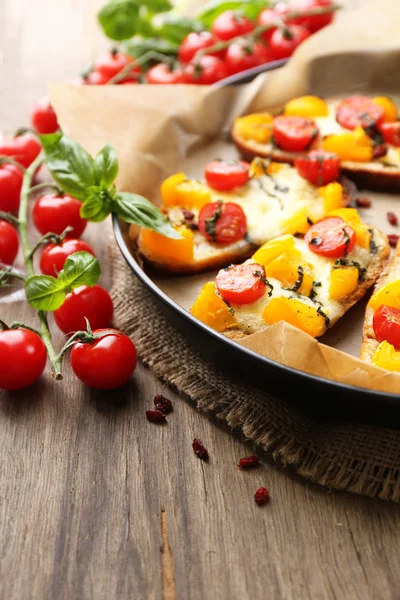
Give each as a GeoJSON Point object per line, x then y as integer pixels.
{"type": "Point", "coordinates": [129, 80]}
{"type": "Point", "coordinates": [315, 22]}
{"type": "Point", "coordinates": [230, 24]}
{"type": "Point", "coordinates": [94, 303]}
{"type": "Point", "coordinates": [161, 73]}
{"type": "Point", "coordinates": [105, 364]}
{"type": "Point", "coordinates": [22, 358]}
{"type": "Point", "coordinates": [10, 187]}
{"type": "Point", "coordinates": [112, 63]}
{"type": "Point", "coordinates": [194, 42]}
{"type": "Point", "coordinates": [319, 167]}
{"type": "Point", "coordinates": [96, 78]}
{"type": "Point", "coordinates": [22, 148]}
{"type": "Point", "coordinates": [207, 70]}
{"type": "Point", "coordinates": [359, 111]}
{"type": "Point", "coordinates": [294, 133]}
{"type": "Point", "coordinates": [223, 223]}
{"type": "Point", "coordinates": [43, 117]}
{"type": "Point", "coordinates": [53, 257]}
{"type": "Point", "coordinates": [241, 284]}
{"type": "Point", "coordinates": [9, 243]}
{"type": "Point", "coordinates": [53, 213]}
{"type": "Point", "coordinates": [226, 175]}
{"type": "Point", "coordinates": [386, 323]}
{"type": "Point", "coordinates": [266, 18]}
{"type": "Point", "coordinates": [391, 133]}
{"type": "Point", "coordinates": [331, 237]}
{"type": "Point", "coordinates": [244, 55]}
{"type": "Point", "coordinates": [283, 42]}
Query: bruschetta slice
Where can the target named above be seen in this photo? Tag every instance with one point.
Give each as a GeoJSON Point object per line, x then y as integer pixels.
{"type": "Point", "coordinates": [363, 132]}
{"type": "Point", "coordinates": [308, 282]}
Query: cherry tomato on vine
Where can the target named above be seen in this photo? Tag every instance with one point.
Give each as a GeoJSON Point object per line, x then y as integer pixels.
{"type": "Point", "coordinates": [241, 284]}
{"type": "Point", "coordinates": [96, 78]}
{"type": "Point", "coordinates": [105, 364]}
{"type": "Point", "coordinates": [162, 73]}
{"type": "Point", "coordinates": [94, 303]}
{"type": "Point", "coordinates": [53, 257]}
{"type": "Point", "coordinates": [386, 323]}
{"type": "Point", "coordinates": [53, 213]}
{"type": "Point", "coordinates": [266, 18]}
{"type": "Point", "coordinates": [245, 55]}
{"type": "Point", "coordinates": [194, 42]}
{"type": "Point", "coordinates": [294, 134]}
{"type": "Point", "coordinates": [226, 175]}
{"type": "Point", "coordinates": [112, 63]}
{"type": "Point", "coordinates": [208, 70]}
{"type": "Point", "coordinates": [223, 223]}
{"type": "Point", "coordinates": [359, 111]}
{"type": "Point", "coordinates": [315, 22]}
{"type": "Point", "coordinates": [43, 117]}
{"type": "Point", "coordinates": [331, 237]}
{"type": "Point", "coordinates": [230, 24]}
{"type": "Point", "coordinates": [10, 187]}
{"type": "Point", "coordinates": [283, 42]}
{"type": "Point", "coordinates": [22, 358]}
{"type": "Point", "coordinates": [318, 167]}
{"type": "Point", "coordinates": [9, 243]}
{"type": "Point", "coordinates": [22, 148]}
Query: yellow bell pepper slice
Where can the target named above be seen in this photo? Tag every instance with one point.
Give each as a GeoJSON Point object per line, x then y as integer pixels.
{"type": "Point", "coordinates": [386, 357]}
{"type": "Point", "coordinates": [257, 127]}
{"type": "Point", "coordinates": [296, 313]}
{"type": "Point", "coordinates": [168, 189]}
{"type": "Point", "coordinates": [332, 195]}
{"type": "Point", "coordinates": [289, 270]}
{"type": "Point", "coordinates": [212, 310]}
{"type": "Point", "coordinates": [261, 166]}
{"type": "Point", "coordinates": [389, 295]}
{"type": "Point", "coordinates": [185, 193]}
{"type": "Point", "coordinates": [159, 248]}
{"type": "Point", "coordinates": [389, 108]}
{"type": "Point", "coordinates": [306, 106]}
{"type": "Point", "coordinates": [273, 248]}
{"type": "Point", "coordinates": [353, 145]}
{"type": "Point", "coordinates": [352, 218]}
{"type": "Point", "coordinates": [297, 223]}
{"type": "Point", "coordinates": [344, 280]}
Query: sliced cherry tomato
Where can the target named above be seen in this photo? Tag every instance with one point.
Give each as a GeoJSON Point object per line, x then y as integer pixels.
{"type": "Point", "coordinates": [22, 358]}
{"type": "Point", "coordinates": [53, 257]}
{"type": "Point", "coordinates": [223, 223]}
{"type": "Point", "coordinates": [319, 167]}
{"type": "Point", "coordinates": [43, 117]}
{"type": "Point", "coordinates": [9, 243]}
{"type": "Point", "coordinates": [94, 303]}
{"type": "Point", "coordinates": [391, 133]}
{"type": "Point", "coordinates": [313, 22]}
{"type": "Point", "coordinates": [107, 363]}
{"type": "Point", "coordinates": [194, 42]}
{"type": "Point", "coordinates": [283, 42]}
{"type": "Point", "coordinates": [359, 111]}
{"type": "Point", "coordinates": [386, 323]}
{"type": "Point", "coordinates": [230, 24]}
{"type": "Point", "coordinates": [294, 133]}
{"type": "Point", "coordinates": [112, 63]}
{"type": "Point", "coordinates": [22, 148]}
{"type": "Point", "coordinates": [208, 70]}
{"type": "Point", "coordinates": [245, 55]}
{"type": "Point", "coordinates": [226, 175]}
{"type": "Point", "coordinates": [331, 237]}
{"type": "Point", "coordinates": [53, 213]}
{"type": "Point", "coordinates": [10, 187]}
{"type": "Point", "coordinates": [241, 284]}
{"type": "Point", "coordinates": [161, 73]}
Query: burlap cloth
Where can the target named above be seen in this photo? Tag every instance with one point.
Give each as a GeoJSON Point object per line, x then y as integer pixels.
{"type": "Point", "coordinates": [358, 458]}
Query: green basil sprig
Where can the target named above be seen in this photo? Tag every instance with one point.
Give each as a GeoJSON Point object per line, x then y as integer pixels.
{"type": "Point", "coordinates": [47, 293]}
{"type": "Point", "coordinates": [91, 180]}
{"type": "Point", "coordinates": [122, 19]}
{"type": "Point", "coordinates": [249, 8]}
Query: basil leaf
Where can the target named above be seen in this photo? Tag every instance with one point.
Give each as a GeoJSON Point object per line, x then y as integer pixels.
{"type": "Point", "coordinates": [175, 28]}
{"type": "Point", "coordinates": [43, 292]}
{"type": "Point", "coordinates": [70, 165]}
{"type": "Point", "coordinates": [157, 6]}
{"type": "Point", "coordinates": [138, 46]}
{"type": "Point", "coordinates": [97, 206]}
{"type": "Point", "coordinates": [249, 8]}
{"type": "Point", "coordinates": [106, 166]}
{"type": "Point", "coordinates": [118, 19]}
{"type": "Point", "coordinates": [136, 209]}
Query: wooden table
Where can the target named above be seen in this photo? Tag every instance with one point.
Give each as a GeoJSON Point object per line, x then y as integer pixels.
{"type": "Point", "coordinates": [96, 502]}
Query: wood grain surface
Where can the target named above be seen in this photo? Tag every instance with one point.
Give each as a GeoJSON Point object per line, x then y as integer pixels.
{"type": "Point", "coordinates": [96, 502]}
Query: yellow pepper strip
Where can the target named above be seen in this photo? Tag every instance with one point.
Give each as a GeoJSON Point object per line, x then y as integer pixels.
{"type": "Point", "coordinates": [257, 127]}
{"type": "Point", "coordinates": [212, 310]}
{"type": "Point", "coordinates": [297, 223]}
{"type": "Point", "coordinates": [296, 313]}
{"type": "Point", "coordinates": [352, 218]}
{"type": "Point", "coordinates": [386, 357]}
{"type": "Point", "coordinates": [161, 249]}
{"type": "Point", "coordinates": [344, 280]}
{"type": "Point", "coordinates": [307, 106]}
{"type": "Point", "coordinates": [192, 194]}
{"type": "Point", "coordinates": [353, 145]}
{"type": "Point", "coordinates": [261, 166]}
{"type": "Point", "coordinates": [274, 248]}
{"type": "Point", "coordinates": [332, 195]}
{"type": "Point", "coordinates": [289, 270]}
{"type": "Point", "coordinates": [389, 108]}
{"type": "Point", "coordinates": [168, 188]}
{"type": "Point", "coordinates": [389, 295]}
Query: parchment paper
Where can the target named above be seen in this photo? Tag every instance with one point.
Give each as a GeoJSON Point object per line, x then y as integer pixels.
{"type": "Point", "coordinates": [158, 130]}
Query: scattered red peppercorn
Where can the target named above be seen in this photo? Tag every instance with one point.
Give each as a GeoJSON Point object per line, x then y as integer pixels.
{"type": "Point", "coordinates": [155, 416]}
{"type": "Point", "coordinates": [199, 449]}
{"type": "Point", "coordinates": [248, 462]}
{"type": "Point", "coordinates": [261, 496]}
{"type": "Point", "coordinates": [163, 404]}
{"type": "Point", "coordinates": [393, 239]}
{"type": "Point", "coordinates": [363, 202]}
{"type": "Point", "coordinates": [392, 218]}
{"type": "Point", "coordinates": [379, 151]}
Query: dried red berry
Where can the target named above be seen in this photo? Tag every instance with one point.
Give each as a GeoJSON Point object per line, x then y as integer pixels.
{"type": "Point", "coordinates": [393, 239]}
{"type": "Point", "coordinates": [199, 449]}
{"type": "Point", "coordinates": [379, 151]}
{"type": "Point", "coordinates": [248, 462]}
{"type": "Point", "coordinates": [363, 202]}
{"type": "Point", "coordinates": [155, 416]}
{"type": "Point", "coordinates": [187, 214]}
{"type": "Point", "coordinates": [261, 496]}
{"type": "Point", "coordinates": [163, 404]}
{"type": "Point", "coordinates": [392, 218]}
